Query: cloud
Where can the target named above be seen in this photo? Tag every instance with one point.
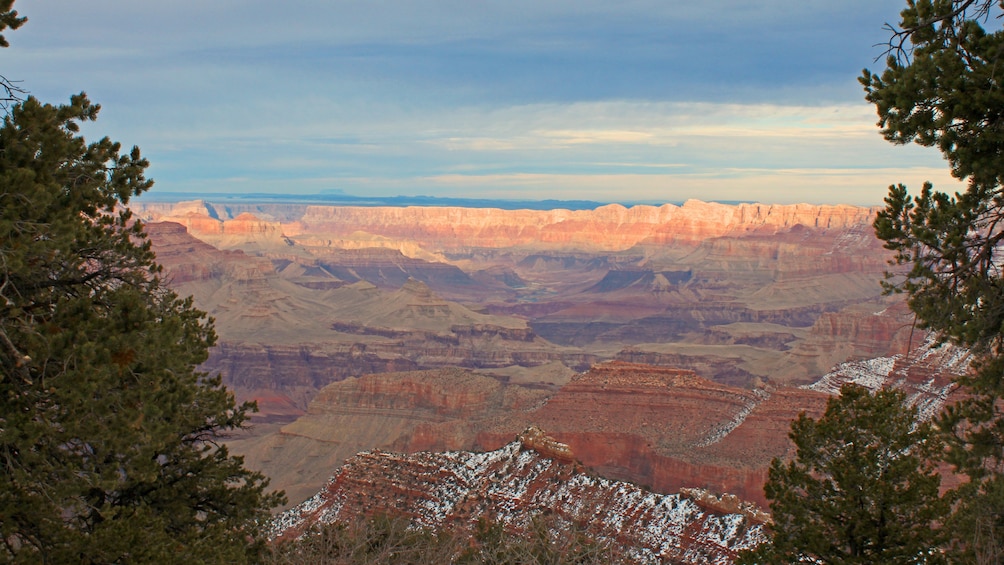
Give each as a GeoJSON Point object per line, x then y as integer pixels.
{"type": "Point", "coordinates": [632, 150]}
{"type": "Point", "coordinates": [632, 97]}
{"type": "Point", "coordinates": [783, 186]}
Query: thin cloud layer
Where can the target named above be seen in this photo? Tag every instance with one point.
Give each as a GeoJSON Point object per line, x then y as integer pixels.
{"type": "Point", "coordinates": [628, 101]}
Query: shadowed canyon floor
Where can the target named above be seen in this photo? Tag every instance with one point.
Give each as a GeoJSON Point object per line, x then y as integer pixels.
{"type": "Point", "coordinates": [666, 345]}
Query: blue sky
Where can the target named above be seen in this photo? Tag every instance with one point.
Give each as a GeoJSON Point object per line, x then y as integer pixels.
{"type": "Point", "coordinates": [636, 100]}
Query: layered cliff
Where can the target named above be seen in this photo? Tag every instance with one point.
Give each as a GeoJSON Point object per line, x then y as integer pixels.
{"type": "Point", "coordinates": [410, 411]}
{"type": "Point", "coordinates": [669, 428]}
{"type": "Point", "coordinates": [664, 428]}
{"type": "Point", "coordinates": [927, 374]}
{"type": "Point", "coordinates": [524, 478]}
{"type": "Point", "coordinates": [285, 334]}
{"type": "Point", "coordinates": [607, 228]}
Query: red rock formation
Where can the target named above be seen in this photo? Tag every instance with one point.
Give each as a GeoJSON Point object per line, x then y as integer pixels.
{"type": "Point", "coordinates": [609, 227]}
{"type": "Point", "coordinates": [668, 429]}
{"type": "Point", "coordinates": [247, 224]}
{"type": "Point", "coordinates": [663, 428]}
{"type": "Point", "coordinates": [185, 258]}
{"type": "Point", "coordinates": [927, 373]}
{"type": "Point", "coordinates": [413, 411]}
{"type": "Point", "coordinates": [514, 483]}
{"type": "Point", "coordinates": [658, 427]}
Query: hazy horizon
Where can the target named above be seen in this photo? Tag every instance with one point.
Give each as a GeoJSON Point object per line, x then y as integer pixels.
{"type": "Point", "coordinates": [339, 198]}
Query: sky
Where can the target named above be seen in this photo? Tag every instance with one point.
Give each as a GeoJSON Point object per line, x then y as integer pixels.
{"type": "Point", "coordinates": [628, 101]}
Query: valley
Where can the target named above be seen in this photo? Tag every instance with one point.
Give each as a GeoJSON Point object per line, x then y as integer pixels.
{"type": "Point", "coordinates": [667, 346]}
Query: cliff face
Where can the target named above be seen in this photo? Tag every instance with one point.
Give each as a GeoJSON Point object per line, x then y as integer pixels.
{"type": "Point", "coordinates": [663, 428]}
{"type": "Point", "coordinates": [927, 374]}
{"type": "Point", "coordinates": [669, 429]}
{"type": "Point", "coordinates": [413, 411]}
{"type": "Point", "coordinates": [524, 478]}
{"type": "Point", "coordinates": [611, 227]}
{"type": "Point", "coordinates": [188, 259]}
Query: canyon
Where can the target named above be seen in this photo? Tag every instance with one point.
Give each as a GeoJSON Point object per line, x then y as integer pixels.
{"type": "Point", "coordinates": [531, 474]}
{"type": "Point", "coordinates": [666, 346]}
{"type": "Point", "coordinates": [738, 293]}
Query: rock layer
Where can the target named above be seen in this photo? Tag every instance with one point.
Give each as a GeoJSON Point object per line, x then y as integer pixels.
{"type": "Point", "coordinates": [612, 227]}
{"type": "Point", "coordinates": [668, 428]}
{"type": "Point", "coordinates": [663, 428]}
{"type": "Point", "coordinates": [516, 482]}
{"type": "Point", "coordinates": [413, 411]}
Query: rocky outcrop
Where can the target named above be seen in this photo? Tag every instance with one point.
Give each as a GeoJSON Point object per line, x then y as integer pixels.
{"type": "Point", "coordinates": [718, 368]}
{"type": "Point", "coordinates": [669, 429]}
{"type": "Point", "coordinates": [663, 428]}
{"type": "Point", "coordinates": [927, 374]}
{"type": "Point", "coordinates": [512, 485]}
{"type": "Point", "coordinates": [187, 259]}
{"type": "Point", "coordinates": [660, 427]}
{"type": "Point", "coordinates": [412, 411]}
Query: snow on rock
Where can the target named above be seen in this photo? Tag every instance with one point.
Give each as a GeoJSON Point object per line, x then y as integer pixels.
{"type": "Point", "coordinates": [719, 433]}
{"type": "Point", "coordinates": [515, 483]}
{"type": "Point", "coordinates": [927, 375]}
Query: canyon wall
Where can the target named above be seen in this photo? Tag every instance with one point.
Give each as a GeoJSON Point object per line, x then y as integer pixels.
{"type": "Point", "coordinates": [532, 476]}
{"type": "Point", "coordinates": [608, 228]}
{"type": "Point", "coordinates": [611, 227]}
{"type": "Point", "coordinates": [311, 302]}
{"type": "Point", "coordinates": [662, 428]}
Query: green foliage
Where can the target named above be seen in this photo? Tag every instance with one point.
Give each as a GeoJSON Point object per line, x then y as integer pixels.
{"type": "Point", "coordinates": [9, 19]}
{"type": "Point", "coordinates": [9, 91]}
{"type": "Point", "coordinates": [547, 541]}
{"type": "Point", "coordinates": [381, 539]}
{"type": "Point", "coordinates": [861, 489]}
{"type": "Point", "coordinates": [394, 540]}
{"type": "Point", "coordinates": [108, 436]}
{"type": "Point", "coordinates": [942, 88]}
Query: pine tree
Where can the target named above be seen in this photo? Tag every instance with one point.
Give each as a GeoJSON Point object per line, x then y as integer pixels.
{"type": "Point", "coordinates": [9, 19]}
{"type": "Point", "coordinates": [109, 446]}
{"type": "Point", "coordinates": [942, 87]}
{"type": "Point", "coordinates": [862, 488]}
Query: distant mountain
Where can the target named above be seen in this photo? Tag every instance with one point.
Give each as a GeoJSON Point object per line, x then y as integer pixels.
{"type": "Point", "coordinates": [342, 199]}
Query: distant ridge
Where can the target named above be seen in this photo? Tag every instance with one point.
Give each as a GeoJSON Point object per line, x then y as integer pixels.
{"type": "Point", "coordinates": [338, 199]}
